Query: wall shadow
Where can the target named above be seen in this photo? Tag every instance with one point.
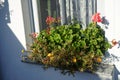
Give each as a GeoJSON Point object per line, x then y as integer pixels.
{"type": "Point", "coordinates": [116, 73]}
{"type": "Point", "coordinates": [10, 46]}
{"type": "Point", "coordinates": [4, 19]}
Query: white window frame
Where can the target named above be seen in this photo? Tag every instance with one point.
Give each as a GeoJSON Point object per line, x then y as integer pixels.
{"type": "Point", "coordinates": [27, 19]}
{"type": "Point", "coordinates": [36, 16]}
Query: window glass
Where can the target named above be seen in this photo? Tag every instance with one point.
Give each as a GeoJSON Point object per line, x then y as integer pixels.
{"type": "Point", "coordinates": [47, 8]}
{"type": "Point", "coordinates": [67, 10]}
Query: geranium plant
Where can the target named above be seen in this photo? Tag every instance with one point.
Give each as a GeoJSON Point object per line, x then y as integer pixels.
{"type": "Point", "coordinates": [69, 46]}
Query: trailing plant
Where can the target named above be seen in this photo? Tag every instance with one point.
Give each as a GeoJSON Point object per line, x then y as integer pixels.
{"type": "Point", "coordinates": [70, 46]}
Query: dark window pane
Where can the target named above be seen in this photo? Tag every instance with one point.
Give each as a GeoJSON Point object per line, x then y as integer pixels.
{"type": "Point", "coordinates": [48, 8]}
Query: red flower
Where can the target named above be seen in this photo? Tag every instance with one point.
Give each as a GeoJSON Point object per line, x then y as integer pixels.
{"type": "Point", "coordinates": [34, 35]}
{"type": "Point", "coordinates": [96, 18]}
{"type": "Point", "coordinates": [50, 20]}
{"type": "Point", "coordinates": [114, 42]}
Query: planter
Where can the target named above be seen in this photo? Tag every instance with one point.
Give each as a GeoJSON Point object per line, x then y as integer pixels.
{"type": "Point", "coordinates": [103, 72]}
{"type": "Point", "coordinates": [69, 47]}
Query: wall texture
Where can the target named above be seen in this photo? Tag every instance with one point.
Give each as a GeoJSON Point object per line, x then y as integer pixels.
{"type": "Point", "coordinates": [110, 10]}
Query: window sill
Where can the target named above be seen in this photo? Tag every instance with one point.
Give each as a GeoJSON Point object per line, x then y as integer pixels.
{"type": "Point", "coordinates": [104, 70]}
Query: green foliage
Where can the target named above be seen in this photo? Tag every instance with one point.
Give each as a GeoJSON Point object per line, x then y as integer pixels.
{"type": "Point", "coordinates": [70, 47]}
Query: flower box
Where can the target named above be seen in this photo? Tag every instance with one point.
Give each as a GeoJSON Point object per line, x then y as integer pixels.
{"type": "Point", "coordinates": [69, 47]}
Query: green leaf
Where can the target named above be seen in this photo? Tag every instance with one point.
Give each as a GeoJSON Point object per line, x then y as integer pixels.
{"type": "Point", "coordinates": [82, 44]}
{"type": "Point", "coordinates": [99, 52]}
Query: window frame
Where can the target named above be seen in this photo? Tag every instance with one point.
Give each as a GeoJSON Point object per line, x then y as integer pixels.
{"type": "Point", "coordinates": [28, 20]}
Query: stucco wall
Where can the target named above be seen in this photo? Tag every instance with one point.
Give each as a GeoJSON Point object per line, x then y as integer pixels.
{"type": "Point", "coordinates": [110, 9]}
{"type": "Point", "coordinates": [12, 40]}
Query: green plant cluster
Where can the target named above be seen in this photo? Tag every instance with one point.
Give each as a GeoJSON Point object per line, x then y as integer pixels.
{"type": "Point", "coordinates": [70, 47]}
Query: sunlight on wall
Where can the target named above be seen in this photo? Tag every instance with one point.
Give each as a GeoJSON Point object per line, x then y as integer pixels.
{"type": "Point", "coordinates": [110, 9]}
{"type": "Point", "coordinates": [16, 18]}
{"type": "Point", "coordinates": [112, 14]}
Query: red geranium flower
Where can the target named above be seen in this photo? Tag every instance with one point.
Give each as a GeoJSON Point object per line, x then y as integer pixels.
{"type": "Point", "coordinates": [50, 20]}
{"type": "Point", "coordinates": [96, 18]}
{"type": "Point", "coordinates": [34, 35]}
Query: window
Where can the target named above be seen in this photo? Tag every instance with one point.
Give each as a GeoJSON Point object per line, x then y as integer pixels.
{"type": "Point", "coordinates": [28, 19]}
{"type": "Point", "coordinates": [47, 8]}
{"type": "Point", "coordinates": [80, 10]}
{"type": "Point", "coordinates": [68, 10]}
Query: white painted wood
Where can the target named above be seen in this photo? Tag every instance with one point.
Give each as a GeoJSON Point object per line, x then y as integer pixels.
{"type": "Point", "coordinates": [35, 16]}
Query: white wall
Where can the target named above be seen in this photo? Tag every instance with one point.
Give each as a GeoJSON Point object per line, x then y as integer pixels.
{"type": "Point", "coordinates": [112, 12]}
{"type": "Point", "coordinates": [16, 21]}
{"type": "Point", "coordinates": [110, 9]}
